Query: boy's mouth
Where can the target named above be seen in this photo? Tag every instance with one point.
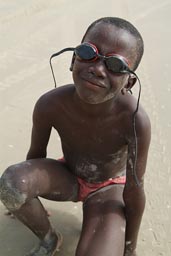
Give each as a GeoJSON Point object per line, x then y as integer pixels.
{"type": "Point", "coordinates": [94, 83]}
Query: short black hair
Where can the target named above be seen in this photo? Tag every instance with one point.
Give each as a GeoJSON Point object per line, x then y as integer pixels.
{"type": "Point", "coordinates": [126, 25]}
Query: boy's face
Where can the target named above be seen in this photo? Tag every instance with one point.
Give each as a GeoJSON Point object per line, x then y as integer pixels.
{"type": "Point", "coordinates": [93, 81]}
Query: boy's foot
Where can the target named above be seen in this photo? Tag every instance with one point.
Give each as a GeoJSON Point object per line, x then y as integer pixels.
{"type": "Point", "coordinates": [48, 249]}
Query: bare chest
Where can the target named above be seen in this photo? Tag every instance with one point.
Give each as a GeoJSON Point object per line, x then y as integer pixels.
{"type": "Point", "coordinates": [97, 136]}
{"type": "Point", "coordinates": [94, 148]}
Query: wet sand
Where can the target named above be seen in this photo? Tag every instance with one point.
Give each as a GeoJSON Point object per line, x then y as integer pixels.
{"type": "Point", "coordinates": [30, 32]}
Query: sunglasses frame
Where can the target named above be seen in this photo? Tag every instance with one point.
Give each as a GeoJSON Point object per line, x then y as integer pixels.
{"type": "Point", "coordinates": [123, 61]}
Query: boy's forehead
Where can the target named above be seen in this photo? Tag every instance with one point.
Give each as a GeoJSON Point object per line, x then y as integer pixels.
{"type": "Point", "coordinates": [111, 36]}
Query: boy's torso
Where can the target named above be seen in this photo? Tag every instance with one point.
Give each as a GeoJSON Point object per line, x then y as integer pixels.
{"type": "Point", "coordinates": [94, 143]}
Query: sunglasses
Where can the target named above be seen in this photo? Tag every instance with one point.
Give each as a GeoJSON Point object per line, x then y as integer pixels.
{"type": "Point", "coordinates": [88, 52]}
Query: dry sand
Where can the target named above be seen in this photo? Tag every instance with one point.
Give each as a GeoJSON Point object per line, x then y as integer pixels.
{"type": "Point", "coordinates": [30, 32]}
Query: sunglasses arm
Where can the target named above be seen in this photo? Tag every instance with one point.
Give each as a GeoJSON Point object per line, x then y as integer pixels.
{"type": "Point", "coordinates": [134, 127]}
{"type": "Point", "coordinates": [56, 54]}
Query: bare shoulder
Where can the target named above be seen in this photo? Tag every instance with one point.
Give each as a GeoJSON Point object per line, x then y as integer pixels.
{"type": "Point", "coordinates": [55, 96]}
{"type": "Point", "coordinates": [49, 104]}
{"type": "Point", "coordinates": [142, 120]}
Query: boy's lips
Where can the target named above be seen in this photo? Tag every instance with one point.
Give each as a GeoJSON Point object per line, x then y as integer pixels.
{"type": "Point", "coordinates": [95, 83]}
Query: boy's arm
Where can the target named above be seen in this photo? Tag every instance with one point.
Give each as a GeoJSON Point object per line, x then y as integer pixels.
{"type": "Point", "coordinates": [134, 196]}
{"type": "Point", "coordinates": [41, 130]}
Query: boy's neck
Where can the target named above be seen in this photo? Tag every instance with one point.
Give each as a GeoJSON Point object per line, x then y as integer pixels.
{"type": "Point", "coordinates": [99, 109]}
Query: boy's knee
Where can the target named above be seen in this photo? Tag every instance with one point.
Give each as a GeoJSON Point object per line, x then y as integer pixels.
{"type": "Point", "coordinates": [12, 187]}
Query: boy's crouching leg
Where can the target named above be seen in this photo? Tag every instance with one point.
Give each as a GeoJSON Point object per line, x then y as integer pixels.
{"type": "Point", "coordinates": [19, 192]}
{"type": "Point", "coordinates": [13, 188]}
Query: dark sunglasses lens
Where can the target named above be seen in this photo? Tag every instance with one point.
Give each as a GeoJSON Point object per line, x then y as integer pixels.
{"type": "Point", "coordinates": [85, 52]}
{"type": "Point", "coordinates": [115, 64]}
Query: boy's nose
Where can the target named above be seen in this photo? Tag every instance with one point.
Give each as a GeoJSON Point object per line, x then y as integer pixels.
{"type": "Point", "coordinates": [98, 68]}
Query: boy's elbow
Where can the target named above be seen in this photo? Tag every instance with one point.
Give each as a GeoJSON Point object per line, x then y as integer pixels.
{"type": "Point", "coordinates": [134, 200]}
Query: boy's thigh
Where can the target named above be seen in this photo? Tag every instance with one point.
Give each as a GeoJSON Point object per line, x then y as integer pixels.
{"type": "Point", "coordinates": [43, 177]}
{"type": "Point", "coordinates": [106, 201]}
{"type": "Point", "coordinates": [103, 231]}
{"type": "Point", "coordinates": [62, 184]}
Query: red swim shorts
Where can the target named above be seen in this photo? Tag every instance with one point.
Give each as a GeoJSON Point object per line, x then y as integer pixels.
{"type": "Point", "coordinates": [86, 188]}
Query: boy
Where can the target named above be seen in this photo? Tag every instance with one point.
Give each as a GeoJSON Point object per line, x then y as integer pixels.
{"type": "Point", "coordinates": [105, 152]}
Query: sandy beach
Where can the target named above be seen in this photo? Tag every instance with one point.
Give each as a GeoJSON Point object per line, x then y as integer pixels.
{"type": "Point", "coordinates": [30, 31]}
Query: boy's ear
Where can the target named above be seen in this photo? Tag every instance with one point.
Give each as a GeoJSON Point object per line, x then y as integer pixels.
{"type": "Point", "coordinates": [72, 62]}
{"type": "Point", "coordinates": [130, 83]}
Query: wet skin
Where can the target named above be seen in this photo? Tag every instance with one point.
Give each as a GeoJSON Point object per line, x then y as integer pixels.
{"type": "Point", "coordinates": [93, 118]}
